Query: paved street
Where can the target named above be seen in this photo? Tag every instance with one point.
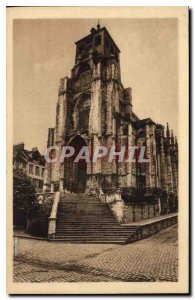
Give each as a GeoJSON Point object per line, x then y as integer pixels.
{"type": "Point", "coordinates": [151, 259]}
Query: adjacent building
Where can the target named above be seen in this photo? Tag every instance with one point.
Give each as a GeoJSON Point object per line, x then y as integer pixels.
{"type": "Point", "coordinates": [31, 162]}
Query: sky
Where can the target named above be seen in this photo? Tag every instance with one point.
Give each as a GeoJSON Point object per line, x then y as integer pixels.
{"type": "Point", "coordinates": [44, 52]}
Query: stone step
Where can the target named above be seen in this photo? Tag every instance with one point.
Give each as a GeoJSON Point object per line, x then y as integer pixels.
{"type": "Point", "coordinates": [95, 238]}
{"type": "Point", "coordinates": [84, 200]}
{"type": "Point", "coordinates": [78, 241]}
{"type": "Point", "coordinates": [95, 230]}
{"type": "Point", "coordinates": [79, 222]}
{"type": "Point", "coordinates": [76, 210]}
{"type": "Point", "coordinates": [101, 228]}
{"type": "Point", "coordinates": [84, 219]}
{"type": "Point", "coordinates": [100, 236]}
{"type": "Point", "coordinates": [79, 212]}
{"type": "Point", "coordinates": [76, 226]}
{"type": "Point", "coordinates": [80, 200]}
{"type": "Point", "coordinates": [86, 212]}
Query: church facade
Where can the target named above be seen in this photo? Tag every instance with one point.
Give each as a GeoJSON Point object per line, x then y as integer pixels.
{"type": "Point", "coordinates": [94, 108]}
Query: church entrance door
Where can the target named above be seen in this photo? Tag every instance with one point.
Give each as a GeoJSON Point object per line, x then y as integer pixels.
{"type": "Point", "coordinates": [76, 172]}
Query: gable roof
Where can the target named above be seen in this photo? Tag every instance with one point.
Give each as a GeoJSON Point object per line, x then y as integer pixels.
{"type": "Point", "coordinates": [29, 156]}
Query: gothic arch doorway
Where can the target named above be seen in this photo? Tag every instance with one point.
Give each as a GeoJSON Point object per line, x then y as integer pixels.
{"type": "Point", "coordinates": [76, 172]}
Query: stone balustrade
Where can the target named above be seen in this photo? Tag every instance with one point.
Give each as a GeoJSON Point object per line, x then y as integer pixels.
{"type": "Point", "coordinates": [53, 216]}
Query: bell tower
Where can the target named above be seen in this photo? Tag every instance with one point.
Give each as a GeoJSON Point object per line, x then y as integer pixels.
{"type": "Point", "coordinates": [98, 43]}
{"type": "Point", "coordinates": [88, 104]}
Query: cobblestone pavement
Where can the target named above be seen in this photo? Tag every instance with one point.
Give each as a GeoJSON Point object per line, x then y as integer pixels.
{"type": "Point", "coordinates": [151, 259]}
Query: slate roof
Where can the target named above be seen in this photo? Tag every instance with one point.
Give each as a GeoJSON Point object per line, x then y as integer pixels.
{"type": "Point", "coordinates": [29, 156]}
{"type": "Point", "coordinates": [141, 123]}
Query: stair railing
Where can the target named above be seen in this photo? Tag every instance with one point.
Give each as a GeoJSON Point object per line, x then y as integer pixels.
{"type": "Point", "coordinates": [53, 217]}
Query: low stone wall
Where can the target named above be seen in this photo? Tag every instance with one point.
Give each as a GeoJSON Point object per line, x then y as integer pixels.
{"type": "Point", "coordinates": [138, 212]}
{"type": "Point", "coordinates": [149, 229]}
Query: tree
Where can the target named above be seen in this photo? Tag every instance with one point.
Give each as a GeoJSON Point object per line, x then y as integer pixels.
{"type": "Point", "coordinates": [24, 197]}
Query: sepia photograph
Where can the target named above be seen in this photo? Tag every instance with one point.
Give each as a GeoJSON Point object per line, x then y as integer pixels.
{"type": "Point", "coordinates": [98, 136]}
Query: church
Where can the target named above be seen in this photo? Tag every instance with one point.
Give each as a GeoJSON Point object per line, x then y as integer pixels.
{"type": "Point", "coordinates": [94, 108]}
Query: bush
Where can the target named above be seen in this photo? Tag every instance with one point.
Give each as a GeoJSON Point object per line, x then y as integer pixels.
{"type": "Point", "coordinates": [23, 197]}
{"type": "Point", "coordinates": [38, 227]}
{"type": "Point", "coordinates": [131, 195]}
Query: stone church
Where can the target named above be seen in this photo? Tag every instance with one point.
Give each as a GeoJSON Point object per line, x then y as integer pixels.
{"type": "Point", "coordinates": [94, 108]}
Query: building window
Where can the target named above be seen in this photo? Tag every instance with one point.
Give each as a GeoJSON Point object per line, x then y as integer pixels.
{"type": "Point", "coordinates": [112, 50]}
{"type": "Point", "coordinates": [97, 40]}
{"type": "Point", "coordinates": [83, 68]}
{"type": "Point", "coordinates": [83, 118]}
{"type": "Point", "coordinates": [141, 182]}
{"type": "Point", "coordinates": [107, 43]}
{"type": "Point", "coordinates": [40, 184]}
{"type": "Point", "coordinates": [88, 40]}
{"type": "Point", "coordinates": [43, 170]}
{"type": "Point", "coordinates": [141, 133]}
{"type": "Point", "coordinates": [30, 169]}
{"type": "Point", "coordinates": [36, 183]}
{"type": "Point", "coordinates": [37, 171]}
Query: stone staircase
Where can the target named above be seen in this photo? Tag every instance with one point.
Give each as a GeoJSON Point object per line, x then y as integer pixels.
{"type": "Point", "coordinates": [84, 219]}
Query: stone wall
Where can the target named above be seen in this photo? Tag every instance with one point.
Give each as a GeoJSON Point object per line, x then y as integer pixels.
{"type": "Point", "coordinates": [138, 212]}
{"type": "Point", "coordinates": [149, 229]}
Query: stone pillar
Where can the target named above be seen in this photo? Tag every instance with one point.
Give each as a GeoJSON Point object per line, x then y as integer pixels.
{"type": "Point", "coordinates": [46, 180]}
{"type": "Point", "coordinates": [52, 187]}
{"type": "Point", "coordinates": [158, 170]}
{"type": "Point", "coordinates": [48, 165]}
{"type": "Point", "coordinates": [96, 101]}
{"type": "Point", "coordinates": [61, 112]}
{"type": "Point", "coordinates": [130, 143]}
{"type": "Point", "coordinates": [95, 126]}
{"type": "Point", "coordinates": [128, 102]}
{"type": "Point", "coordinates": [153, 159]}
{"type": "Point", "coordinates": [121, 166]}
{"type": "Point", "coordinates": [169, 172]}
{"type": "Point", "coordinates": [109, 108]}
{"type": "Point", "coordinates": [115, 97]}
{"type": "Point", "coordinates": [162, 166]}
{"type": "Point", "coordinates": [148, 153]}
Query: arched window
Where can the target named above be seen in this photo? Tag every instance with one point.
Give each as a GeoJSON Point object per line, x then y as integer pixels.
{"type": "Point", "coordinates": [83, 68]}
{"type": "Point", "coordinates": [81, 112]}
{"type": "Point", "coordinates": [141, 133]}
